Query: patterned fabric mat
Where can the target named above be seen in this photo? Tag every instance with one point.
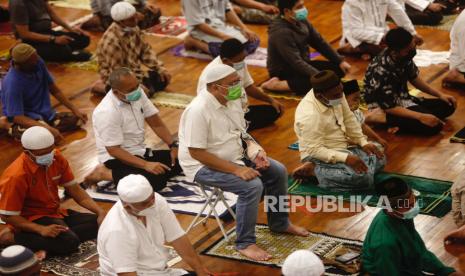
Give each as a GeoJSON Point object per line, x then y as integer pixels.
{"type": "Point", "coordinates": [434, 196]}
{"type": "Point", "coordinates": [170, 26]}
{"type": "Point", "coordinates": [85, 261]}
{"type": "Point", "coordinates": [171, 99]}
{"type": "Point", "coordinates": [282, 245]}
{"type": "Point", "coordinates": [75, 4]}
{"type": "Point", "coordinates": [445, 25]}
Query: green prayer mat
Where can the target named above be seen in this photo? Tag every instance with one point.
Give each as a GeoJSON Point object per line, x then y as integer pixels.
{"type": "Point", "coordinates": [281, 245]}
{"type": "Point", "coordinates": [171, 99]}
{"type": "Point", "coordinates": [75, 4]}
{"type": "Point", "coordinates": [434, 195]}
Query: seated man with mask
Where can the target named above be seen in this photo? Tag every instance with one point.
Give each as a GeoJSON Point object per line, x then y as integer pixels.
{"type": "Point", "coordinates": [392, 245]}
{"type": "Point", "coordinates": [232, 53]}
{"type": "Point", "coordinates": [30, 203]}
{"type": "Point", "coordinates": [212, 132]}
{"type": "Point", "coordinates": [119, 127]}
{"type": "Point", "coordinates": [386, 86]}
{"type": "Point", "coordinates": [131, 240]}
{"type": "Point", "coordinates": [331, 137]}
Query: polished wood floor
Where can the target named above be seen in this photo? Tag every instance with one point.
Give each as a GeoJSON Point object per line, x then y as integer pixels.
{"type": "Point", "coordinates": [431, 157]}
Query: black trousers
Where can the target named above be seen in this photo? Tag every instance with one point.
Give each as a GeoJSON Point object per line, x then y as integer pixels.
{"type": "Point", "coordinates": [158, 182]}
{"type": "Point", "coordinates": [300, 84]}
{"type": "Point", "coordinates": [435, 107]}
{"type": "Point", "coordinates": [260, 116]}
{"type": "Point", "coordinates": [61, 53]}
{"type": "Point", "coordinates": [425, 17]}
{"type": "Point", "coordinates": [82, 227]}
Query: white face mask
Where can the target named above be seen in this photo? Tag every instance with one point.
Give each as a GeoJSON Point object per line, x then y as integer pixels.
{"type": "Point", "coordinates": [146, 211]}
{"type": "Point", "coordinates": [239, 65]}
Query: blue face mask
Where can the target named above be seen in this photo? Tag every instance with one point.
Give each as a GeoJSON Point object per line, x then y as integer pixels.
{"type": "Point", "coordinates": [301, 14]}
{"type": "Point", "coordinates": [134, 95]}
{"type": "Point", "coordinates": [44, 160]}
{"type": "Point", "coordinates": [412, 213]}
{"type": "Point", "coordinates": [332, 103]}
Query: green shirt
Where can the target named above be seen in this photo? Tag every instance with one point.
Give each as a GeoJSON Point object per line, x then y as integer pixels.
{"type": "Point", "coordinates": [393, 247]}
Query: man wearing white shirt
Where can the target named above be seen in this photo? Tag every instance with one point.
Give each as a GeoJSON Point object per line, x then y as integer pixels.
{"type": "Point", "coordinates": [131, 239]}
{"type": "Point", "coordinates": [364, 24]}
{"type": "Point", "coordinates": [456, 74]}
{"type": "Point", "coordinates": [212, 132]}
{"type": "Point", "coordinates": [232, 53]}
{"type": "Point", "coordinates": [119, 127]}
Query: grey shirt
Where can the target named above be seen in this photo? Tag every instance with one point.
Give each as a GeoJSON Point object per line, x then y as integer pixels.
{"type": "Point", "coordinates": [211, 12]}
{"type": "Point", "coordinates": [32, 13]}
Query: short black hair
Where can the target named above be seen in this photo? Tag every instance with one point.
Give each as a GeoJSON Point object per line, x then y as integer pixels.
{"type": "Point", "coordinates": [392, 187]}
{"type": "Point", "coordinates": [286, 4]}
{"type": "Point", "coordinates": [350, 87]}
{"type": "Point", "coordinates": [398, 39]}
{"type": "Point", "coordinates": [231, 48]}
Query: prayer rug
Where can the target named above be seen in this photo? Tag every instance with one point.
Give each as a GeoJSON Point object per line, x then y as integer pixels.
{"type": "Point", "coordinates": [170, 26]}
{"type": "Point", "coordinates": [445, 25]}
{"type": "Point", "coordinates": [75, 4]}
{"type": "Point", "coordinates": [459, 137]}
{"type": "Point", "coordinates": [85, 261]}
{"type": "Point", "coordinates": [280, 245]}
{"type": "Point", "coordinates": [183, 197]}
{"type": "Point", "coordinates": [434, 196]}
{"type": "Point", "coordinates": [171, 99]}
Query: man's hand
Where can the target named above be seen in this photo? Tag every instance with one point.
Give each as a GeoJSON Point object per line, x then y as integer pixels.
{"type": "Point", "coordinates": [174, 156]}
{"type": "Point", "coordinates": [52, 230]}
{"type": "Point", "coordinates": [345, 67]}
{"type": "Point", "coordinates": [246, 173]}
{"type": "Point", "coordinates": [356, 163]}
{"type": "Point", "coordinates": [154, 9]}
{"type": "Point", "coordinates": [165, 76]}
{"type": "Point", "coordinates": [156, 168]}
{"type": "Point", "coordinates": [261, 161]}
{"type": "Point", "coordinates": [430, 120]}
{"type": "Point", "coordinates": [270, 9]}
{"type": "Point", "coordinates": [101, 217]}
{"type": "Point", "coordinates": [418, 39]}
{"type": "Point", "coordinates": [436, 7]}
{"type": "Point", "coordinates": [63, 40]}
{"type": "Point", "coordinates": [383, 143]}
{"type": "Point", "coordinates": [251, 36]}
{"type": "Point", "coordinates": [81, 115]}
{"type": "Point", "coordinates": [371, 149]}
{"type": "Point", "coordinates": [449, 100]}
{"type": "Point", "coordinates": [278, 106]}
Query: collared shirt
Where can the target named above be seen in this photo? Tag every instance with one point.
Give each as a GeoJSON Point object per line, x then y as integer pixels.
{"type": "Point", "coordinates": [119, 49]}
{"type": "Point", "coordinates": [28, 94]}
{"type": "Point", "coordinates": [365, 20]}
{"type": "Point", "coordinates": [117, 123]}
{"type": "Point", "coordinates": [457, 44]}
{"type": "Point", "coordinates": [31, 191]}
{"type": "Point", "coordinates": [207, 124]}
{"type": "Point", "coordinates": [211, 12]}
{"type": "Point", "coordinates": [125, 244]}
{"type": "Point", "coordinates": [420, 5]}
{"type": "Point", "coordinates": [325, 132]}
{"type": "Point", "coordinates": [244, 74]}
{"type": "Point", "coordinates": [33, 13]}
{"type": "Point", "coordinates": [386, 82]}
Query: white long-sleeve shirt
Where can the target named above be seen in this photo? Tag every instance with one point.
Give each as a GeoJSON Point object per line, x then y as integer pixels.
{"type": "Point", "coordinates": [457, 44]}
{"type": "Point", "coordinates": [365, 20]}
{"type": "Point", "coordinates": [420, 5]}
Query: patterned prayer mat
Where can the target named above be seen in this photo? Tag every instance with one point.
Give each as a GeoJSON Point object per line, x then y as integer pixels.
{"type": "Point", "coordinates": [459, 137]}
{"type": "Point", "coordinates": [434, 196]}
{"type": "Point", "coordinates": [170, 26]}
{"type": "Point", "coordinates": [85, 261]}
{"type": "Point", "coordinates": [75, 4]}
{"type": "Point", "coordinates": [445, 25]}
{"type": "Point", "coordinates": [282, 245]}
{"type": "Point", "coordinates": [171, 99]}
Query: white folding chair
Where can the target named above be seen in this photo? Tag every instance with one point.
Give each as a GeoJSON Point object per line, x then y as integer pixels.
{"type": "Point", "coordinates": [211, 201]}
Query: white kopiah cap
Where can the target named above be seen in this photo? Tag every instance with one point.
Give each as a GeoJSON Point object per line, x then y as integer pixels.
{"type": "Point", "coordinates": [217, 72]}
{"type": "Point", "coordinates": [303, 263]}
{"type": "Point", "coordinates": [122, 11]}
{"type": "Point", "coordinates": [37, 138]}
{"type": "Point", "coordinates": [134, 188]}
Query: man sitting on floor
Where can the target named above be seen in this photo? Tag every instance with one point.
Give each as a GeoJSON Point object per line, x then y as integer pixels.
{"type": "Point", "coordinates": [364, 24]}
{"type": "Point", "coordinates": [210, 22]}
{"type": "Point", "coordinates": [386, 87]}
{"type": "Point", "coordinates": [392, 245]}
{"type": "Point", "coordinates": [456, 75]}
{"type": "Point", "coordinates": [25, 95]}
{"type": "Point", "coordinates": [30, 202]}
{"type": "Point", "coordinates": [211, 132]}
{"type": "Point", "coordinates": [331, 138]}
{"type": "Point", "coordinates": [32, 22]}
{"type": "Point", "coordinates": [232, 53]}
{"type": "Point", "coordinates": [256, 11]}
{"type": "Point", "coordinates": [131, 240]}
{"type": "Point", "coordinates": [120, 133]}
{"type": "Point", "coordinates": [123, 45]}
{"type": "Point", "coordinates": [101, 19]}
{"type": "Point", "coordinates": [288, 63]}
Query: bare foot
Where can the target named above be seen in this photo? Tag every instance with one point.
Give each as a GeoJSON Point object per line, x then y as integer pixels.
{"type": "Point", "coordinates": [306, 169]}
{"type": "Point", "coordinates": [4, 124]}
{"type": "Point", "coordinates": [255, 253]}
{"type": "Point", "coordinates": [297, 230]}
{"type": "Point", "coordinates": [456, 235]}
{"type": "Point", "coordinates": [6, 237]}
{"type": "Point", "coordinates": [393, 130]}
{"type": "Point", "coordinates": [100, 173]}
{"type": "Point", "coordinates": [275, 84]}
{"type": "Point", "coordinates": [375, 116]}
{"type": "Point", "coordinates": [41, 255]}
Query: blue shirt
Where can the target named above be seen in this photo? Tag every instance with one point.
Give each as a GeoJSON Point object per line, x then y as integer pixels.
{"type": "Point", "coordinates": [28, 94]}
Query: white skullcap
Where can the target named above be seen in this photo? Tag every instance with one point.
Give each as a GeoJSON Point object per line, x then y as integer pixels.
{"type": "Point", "coordinates": [122, 10]}
{"type": "Point", "coordinates": [37, 138]}
{"type": "Point", "coordinates": [134, 188]}
{"type": "Point", "coordinates": [303, 263]}
{"type": "Point", "coordinates": [15, 259]}
{"type": "Point", "coordinates": [217, 72]}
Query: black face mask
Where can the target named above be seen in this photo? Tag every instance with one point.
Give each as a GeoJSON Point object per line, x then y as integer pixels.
{"type": "Point", "coordinates": [411, 54]}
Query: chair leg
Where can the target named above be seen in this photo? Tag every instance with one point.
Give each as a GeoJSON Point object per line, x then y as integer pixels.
{"type": "Point", "coordinates": [207, 201]}
{"type": "Point", "coordinates": [227, 206]}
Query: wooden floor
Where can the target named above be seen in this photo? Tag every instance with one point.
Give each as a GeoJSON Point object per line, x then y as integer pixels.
{"type": "Point", "coordinates": [431, 157]}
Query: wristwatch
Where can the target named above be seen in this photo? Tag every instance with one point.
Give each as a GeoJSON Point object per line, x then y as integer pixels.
{"type": "Point", "coordinates": [52, 39]}
{"type": "Point", "coordinates": [175, 144]}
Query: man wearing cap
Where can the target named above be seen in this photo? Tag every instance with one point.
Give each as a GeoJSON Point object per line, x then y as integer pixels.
{"type": "Point", "coordinates": [123, 45]}
{"type": "Point", "coordinates": [212, 132]}
{"type": "Point", "coordinates": [303, 263]}
{"type": "Point", "coordinates": [32, 22]}
{"type": "Point", "coordinates": [21, 261]}
{"type": "Point", "coordinates": [25, 95]}
{"type": "Point", "coordinates": [30, 203]}
{"type": "Point", "coordinates": [131, 240]}
{"type": "Point", "coordinates": [331, 137]}
{"type": "Point", "coordinates": [119, 127]}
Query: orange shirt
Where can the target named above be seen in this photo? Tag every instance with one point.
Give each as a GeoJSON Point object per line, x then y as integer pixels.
{"type": "Point", "coordinates": [31, 190]}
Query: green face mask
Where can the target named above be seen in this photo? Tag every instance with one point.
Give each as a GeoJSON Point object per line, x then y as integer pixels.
{"type": "Point", "coordinates": [234, 92]}
{"type": "Point", "coordinates": [134, 95]}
